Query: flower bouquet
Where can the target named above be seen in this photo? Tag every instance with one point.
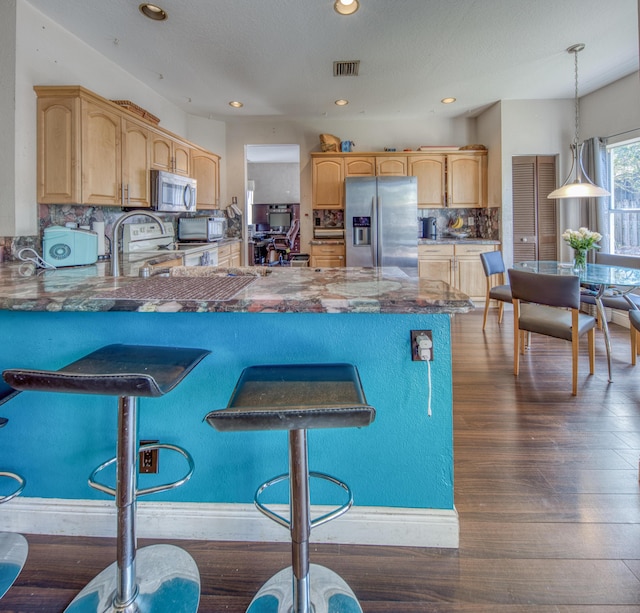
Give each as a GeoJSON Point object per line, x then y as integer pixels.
{"type": "Point", "coordinates": [581, 241]}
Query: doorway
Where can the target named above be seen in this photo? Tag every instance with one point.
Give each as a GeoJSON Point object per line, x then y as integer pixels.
{"type": "Point", "coordinates": [273, 199]}
{"type": "Point", "coordinates": [535, 224]}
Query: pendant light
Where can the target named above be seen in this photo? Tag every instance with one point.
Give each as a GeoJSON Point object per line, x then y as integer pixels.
{"type": "Point", "coordinates": [581, 186]}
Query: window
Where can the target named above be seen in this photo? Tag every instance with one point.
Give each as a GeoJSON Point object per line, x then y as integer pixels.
{"type": "Point", "coordinates": [624, 214]}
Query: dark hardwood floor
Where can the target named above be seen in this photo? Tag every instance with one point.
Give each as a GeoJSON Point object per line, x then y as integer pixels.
{"type": "Point", "coordinates": [546, 486]}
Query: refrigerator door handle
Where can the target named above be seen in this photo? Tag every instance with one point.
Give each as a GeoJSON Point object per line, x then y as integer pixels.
{"type": "Point", "coordinates": [374, 232]}
{"type": "Point", "coordinates": [379, 246]}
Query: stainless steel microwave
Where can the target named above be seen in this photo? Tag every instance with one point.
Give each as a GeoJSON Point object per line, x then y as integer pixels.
{"type": "Point", "coordinates": [172, 193]}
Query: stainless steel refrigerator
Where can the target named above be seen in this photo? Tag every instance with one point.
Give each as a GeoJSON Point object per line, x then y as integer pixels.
{"type": "Point", "coordinates": [381, 221]}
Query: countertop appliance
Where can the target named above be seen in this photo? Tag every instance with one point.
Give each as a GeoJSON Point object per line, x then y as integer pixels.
{"type": "Point", "coordinates": [140, 240]}
{"type": "Point", "coordinates": [69, 247]}
{"type": "Point", "coordinates": [172, 193]}
{"type": "Point", "coordinates": [203, 229]}
{"type": "Point", "coordinates": [380, 221]}
{"type": "Point", "coordinates": [429, 227]}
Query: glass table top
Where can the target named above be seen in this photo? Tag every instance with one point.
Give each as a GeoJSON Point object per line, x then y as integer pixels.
{"type": "Point", "coordinates": [595, 274]}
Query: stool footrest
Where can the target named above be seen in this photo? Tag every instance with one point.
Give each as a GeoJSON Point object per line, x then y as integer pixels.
{"type": "Point", "coordinates": [95, 484]}
{"type": "Point", "coordinates": [15, 477]}
{"type": "Point", "coordinates": [318, 521]}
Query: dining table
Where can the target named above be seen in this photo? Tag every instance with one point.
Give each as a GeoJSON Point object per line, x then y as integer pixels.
{"type": "Point", "coordinates": [595, 279]}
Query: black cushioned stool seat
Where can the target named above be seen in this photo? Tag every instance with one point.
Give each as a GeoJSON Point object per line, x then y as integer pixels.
{"type": "Point", "coordinates": [297, 398]}
{"type": "Point", "coordinates": [13, 547]}
{"type": "Point", "coordinates": [156, 578]}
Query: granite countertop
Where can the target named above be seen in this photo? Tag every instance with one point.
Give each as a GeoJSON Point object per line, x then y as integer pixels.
{"type": "Point", "coordinates": [199, 289]}
{"type": "Point", "coordinates": [450, 240]}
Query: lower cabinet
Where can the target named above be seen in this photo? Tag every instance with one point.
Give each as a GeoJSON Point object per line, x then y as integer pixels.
{"type": "Point", "coordinates": [327, 255]}
{"type": "Point", "coordinates": [457, 265]}
{"type": "Point", "coordinates": [229, 254]}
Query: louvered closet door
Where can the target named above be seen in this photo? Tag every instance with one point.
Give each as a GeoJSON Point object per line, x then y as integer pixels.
{"type": "Point", "coordinates": [534, 215]}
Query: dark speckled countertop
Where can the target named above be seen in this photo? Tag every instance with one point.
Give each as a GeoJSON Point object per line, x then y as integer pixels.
{"type": "Point", "coordinates": [280, 290]}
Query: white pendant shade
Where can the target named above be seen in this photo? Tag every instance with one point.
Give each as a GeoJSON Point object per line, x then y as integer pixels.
{"type": "Point", "coordinates": [579, 190]}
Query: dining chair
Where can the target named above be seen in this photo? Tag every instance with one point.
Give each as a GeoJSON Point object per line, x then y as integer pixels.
{"type": "Point", "coordinates": [613, 299]}
{"type": "Point", "coordinates": [493, 265]}
{"type": "Point", "coordinates": [550, 305]}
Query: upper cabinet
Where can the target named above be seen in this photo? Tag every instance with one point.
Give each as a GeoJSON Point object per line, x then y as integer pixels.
{"type": "Point", "coordinates": [327, 183]}
{"type": "Point", "coordinates": [391, 166]}
{"type": "Point", "coordinates": [445, 179]}
{"type": "Point", "coordinates": [170, 155]}
{"type": "Point", "coordinates": [205, 168]}
{"type": "Point", "coordinates": [93, 152]}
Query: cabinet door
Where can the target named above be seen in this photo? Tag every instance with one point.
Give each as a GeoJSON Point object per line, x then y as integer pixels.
{"type": "Point", "coordinates": [161, 153]}
{"type": "Point", "coordinates": [59, 178]}
{"type": "Point", "coordinates": [136, 155]}
{"type": "Point", "coordinates": [435, 262]}
{"type": "Point", "coordinates": [435, 270]}
{"type": "Point", "coordinates": [181, 158]}
{"type": "Point", "coordinates": [327, 256]}
{"type": "Point", "coordinates": [206, 170]}
{"type": "Point", "coordinates": [391, 166]}
{"type": "Point", "coordinates": [430, 172]}
{"type": "Point", "coordinates": [101, 155]}
{"type": "Point", "coordinates": [469, 274]}
{"type": "Point", "coordinates": [327, 183]}
{"type": "Point", "coordinates": [466, 183]}
{"type": "Point", "coordinates": [360, 167]}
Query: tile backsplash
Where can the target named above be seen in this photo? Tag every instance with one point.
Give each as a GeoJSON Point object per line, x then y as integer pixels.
{"type": "Point", "coordinates": [485, 223]}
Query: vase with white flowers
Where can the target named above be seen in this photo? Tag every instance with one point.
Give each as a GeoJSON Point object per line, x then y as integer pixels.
{"type": "Point", "coordinates": [581, 241]}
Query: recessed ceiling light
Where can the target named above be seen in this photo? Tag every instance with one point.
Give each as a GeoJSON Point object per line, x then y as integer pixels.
{"type": "Point", "coordinates": [153, 12]}
{"type": "Point", "coordinates": [346, 7]}
{"type": "Point", "coordinates": [447, 100]}
{"type": "Point", "coordinates": [341, 102]}
{"type": "Point", "coordinates": [235, 104]}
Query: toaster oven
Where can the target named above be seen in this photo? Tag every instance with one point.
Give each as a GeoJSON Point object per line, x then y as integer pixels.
{"type": "Point", "coordinates": [202, 229]}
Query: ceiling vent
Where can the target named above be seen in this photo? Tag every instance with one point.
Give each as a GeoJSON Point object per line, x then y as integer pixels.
{"type": "Point", "coordinates": [346, 69]}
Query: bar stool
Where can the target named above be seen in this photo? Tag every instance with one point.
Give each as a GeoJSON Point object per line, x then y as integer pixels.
{"type": "Point", "coordinates": [13, 547]}
{"type": "Point", "coordinates": [297, 398]}
{"type": "Point", "coordinates": [155, 578]}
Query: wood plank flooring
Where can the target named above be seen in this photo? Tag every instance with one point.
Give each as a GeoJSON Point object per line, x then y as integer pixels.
{"type": "Point", "coordinates": [546, 486]}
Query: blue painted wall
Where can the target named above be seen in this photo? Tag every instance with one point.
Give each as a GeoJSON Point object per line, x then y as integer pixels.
{"type": "Point", "coordinates": [404, 459]}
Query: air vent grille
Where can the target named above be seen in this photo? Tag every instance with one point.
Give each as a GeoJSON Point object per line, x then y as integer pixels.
{"type": "Point", "coordinates": [346, 69]}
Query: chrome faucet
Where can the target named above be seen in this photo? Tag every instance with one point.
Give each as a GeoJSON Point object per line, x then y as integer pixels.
{"type": "Point", "coordinates": [115, 242]}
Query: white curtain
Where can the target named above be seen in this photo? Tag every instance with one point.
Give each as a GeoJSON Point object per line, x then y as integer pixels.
{"type": "Point", "coordinates": [596, 165]}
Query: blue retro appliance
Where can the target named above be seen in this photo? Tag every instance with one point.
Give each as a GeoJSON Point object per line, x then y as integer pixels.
{"type": "Point", "coordinates": [69, 247]}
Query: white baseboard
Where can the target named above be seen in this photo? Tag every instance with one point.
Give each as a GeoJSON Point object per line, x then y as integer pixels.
{"type": "Point", "coordinates": [230, 522]}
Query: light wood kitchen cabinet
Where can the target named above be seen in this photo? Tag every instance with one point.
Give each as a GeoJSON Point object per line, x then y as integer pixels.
{"type": "Point", "coordinates": [224, 255]}
{"type": "Point", "coordinates": [395, 166]}
{"type": "Point", "coordinates": [235, 259]}
{"type": "Point", "coordinates": [431, 172]}
{"type": "Point", "coordinates": [435, 262]}
{"type": "Point", "coordinates": [457, 265]}
{"type": "Point", "coordinates": [136, 155]}
{"type": "Point", "coordinates": [327, 183]}
{"type": "Point", "coordinates": [327, 255]}
{"type": "Point", "coordinates": [466, 180]}
{"type": "Point", "coordinates": [170, 155]}
{"type": "Point", "coordinates": [360, 167]}
{"type": "Point", "coordinates": [445, 179]}
{"type": "Point", "coordinates": [79, 157]}
{"type": "Point", "coordinates": [92, 151]}
{"type": "Point", "coordinates": [205, 168]}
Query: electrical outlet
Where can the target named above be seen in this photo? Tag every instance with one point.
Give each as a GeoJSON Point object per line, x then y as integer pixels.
{"type": "Point", "coordinates": [421, 345]}
{"type": "Point", "coordinates": [470, 221]}
{"type": "Point", "coordinates": [148, 460]}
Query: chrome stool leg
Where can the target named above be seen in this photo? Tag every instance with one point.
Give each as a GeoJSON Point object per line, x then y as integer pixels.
{"type": "Point", "coordinates": [156, 578]}
{"type": "Point", "coordinates": [13, 547]}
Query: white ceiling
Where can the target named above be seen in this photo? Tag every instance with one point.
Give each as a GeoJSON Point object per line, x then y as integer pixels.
{"type": "Point", "coordinates": [276, 56]}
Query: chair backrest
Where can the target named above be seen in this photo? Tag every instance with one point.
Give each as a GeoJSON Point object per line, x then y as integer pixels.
{"type": "Point", "coordinates": [612, 259]}
{"type": "Point", "coordinates": [492, 263]}
{"type": "Point", "coordinates": [552, 290]}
